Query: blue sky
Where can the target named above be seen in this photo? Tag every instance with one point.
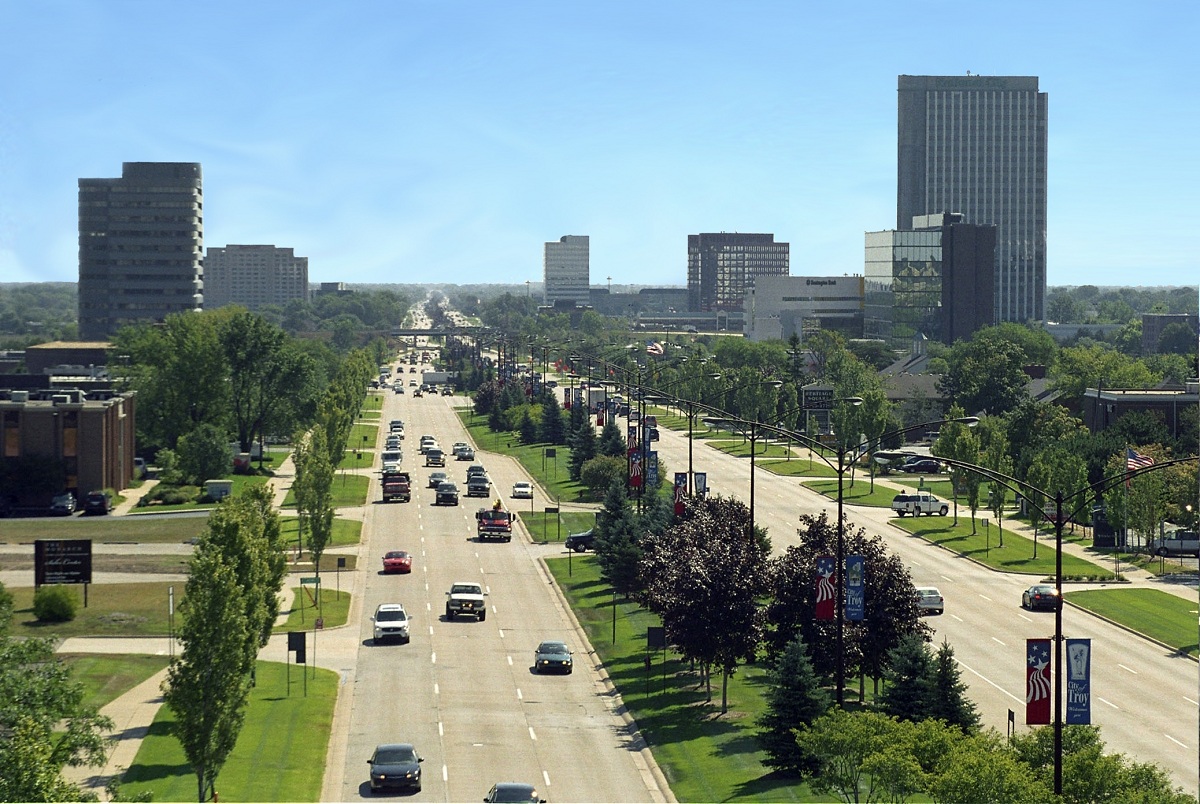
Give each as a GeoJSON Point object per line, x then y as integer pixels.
{"type": "Point", "coordinates": [446, 141]}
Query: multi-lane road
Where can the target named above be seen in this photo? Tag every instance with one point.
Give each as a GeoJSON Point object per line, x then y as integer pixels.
{"type": "Point", "coordinates": [1145, 698]}
{"type": "Point", "coordinates": [463, 692]}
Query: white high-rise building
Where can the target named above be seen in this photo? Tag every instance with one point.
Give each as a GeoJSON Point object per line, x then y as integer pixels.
{"type": "Point", "coordinates": [254, 276]}
{"type": "Point", "coordinates": [566, 270]}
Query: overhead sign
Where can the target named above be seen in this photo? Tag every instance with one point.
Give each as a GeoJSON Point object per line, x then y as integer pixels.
{"type": "Point", "coordinates": [62, 561]}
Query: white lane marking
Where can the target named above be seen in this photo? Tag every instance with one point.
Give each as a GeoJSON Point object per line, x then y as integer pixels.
{"type": "Point", "coordinates": [947, 578]}
{"type": "Point", "coordinates": [441, 731]}
{"type": "Point", "coordinates": [445, 774]}
{"type": "Point", "coordinates": [486, 589]}
{"type": "Point", "coordinates": [1110, 703]}
{"type": "Point", "coordinates": [1189, 700]}
{"type": "Point", "coordinates": [1023, 617]}
{"type": "Point", "coordinates": [1130, 669]}
{"type": "Point", "coordinates": [532, 736]}
{"type": "Point", "coordinates": [501, 630]}
{"type": "Point", "coordinates": [989, 681]}
{"type": "Point", "coordinates": [431, 630]}
{"type": "Point", "coordinates": [996, 640]}
{"type": "Point", "coordinates": [433, 658]}
{"type": "Point", "coordinates": [955, 616]}
{"type": "Point", "coordinates": [519, 696]}
{"type": "Point", "coordinates": [436, 689]}
{"type": "Point", "coordinates": [1172, 739]}
{"type": "Point", "coordinates": [429, 607]}
{"type": "Point", "coordinates": [546, 776]}
{"type": "Point", "coordinates": [985, 597]}
{"type": "Point", "coordinates": [510, 661]}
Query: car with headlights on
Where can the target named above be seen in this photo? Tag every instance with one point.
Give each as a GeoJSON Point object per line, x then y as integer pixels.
{"type": "Point", "coordinates": [436, 479]}
{"type": "Point", "coordinates": [552, 657]}
{"type": "Point", "coordinates": [522, 491]}
{"type": "Point", "coordinates": [397, 561]}
{"type": "Point", "coordinates": [1040, 596]}
{"type": "Point", "coordinates": [447, 494]}
{"type": "Point", "coordinates": [63, 504]}
{"type": "Point", "coordinates": [395, 766]}
{"type": "Point", "coordinates": [391, 621]}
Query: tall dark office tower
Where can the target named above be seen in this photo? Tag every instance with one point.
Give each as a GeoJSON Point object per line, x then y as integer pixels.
{"type": "Point", "coordinates": [141, 246]}
{"type": "Point", "coordinates": [977, 145]}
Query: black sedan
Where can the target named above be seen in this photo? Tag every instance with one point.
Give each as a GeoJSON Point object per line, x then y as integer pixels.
{"type": "Point", "coordinates": [395, 766]}
{"type": "Point", "coordinates": [514, 792]}
{"type": "Point", "coordinates": [552, 656]}
{"type": "Point", "coordinates": [579, 542]}
{"type": "Point", "coordinates": [926, 466]}
{"type": "Point", "coordinates": [1040, 596]}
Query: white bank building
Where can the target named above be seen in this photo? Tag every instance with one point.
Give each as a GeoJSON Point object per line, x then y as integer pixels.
{"type": "Point", "coordinates": [778, 306]}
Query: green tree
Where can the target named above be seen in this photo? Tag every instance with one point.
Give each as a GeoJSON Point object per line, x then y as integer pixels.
{"type": "Point", "coordinates": [204, 454]}
{"type": "Point", "coordinates": [907, 694]}
{"type": "Point", "coordinates": [551, 427]}
{"type": "Point", "coordinates": [601, 473]}
{"type": "Point", "coordinates": [616, 545]}
{"type": "Point", "coordinates": [794, 698]}
{"type": "Point", "coordinates": [958, 442]}
{"type": "Point", "coordinates": [612, 442]}
{"type": "Point", "coordinates": [43, 720]}
{"type": "Point", "coordinates": [581, 439]}
{"type": "Point", "coordinates": [842, 742]}
{"type": "Point", "coordinates": [985, 375]}
{"type": "Point", "coordinates": [982, 768]}
{"type": "Point", "coordinates": [528, 427]}
{"type": "Point", "coordinates": [1177, 338]}
{"type": "Point", "coordinates": [948, 694]}
{"type": "Point", "coordinates": [208, 685]}
{"type": "Point", "coordinates": [313, 490]}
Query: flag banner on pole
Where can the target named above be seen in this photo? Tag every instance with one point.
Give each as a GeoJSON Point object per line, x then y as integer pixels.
{"type": "Point", "coordinates": [1037, 682]}
{"type": "Point", "coordinates": [652, 467]}
{"type": "Point", "coordinates": [1079, 682]}
{"type": "Point", "coordinates": [856, 592]}
{"type": "Point", "coordinates": [654, 348]}
{"type": "Point", "coordinates": [635, 470]}
{"type": "Point", "coordinates": [631, 443]}
{"type": "Point", "coordinates": [680, 491]}
{"type": "Point", "coordinates": [826, 594]}
{"type": "Point", "coordinates": [1135, 461]}
{"type": "Point", "coordinates": [700, 483]}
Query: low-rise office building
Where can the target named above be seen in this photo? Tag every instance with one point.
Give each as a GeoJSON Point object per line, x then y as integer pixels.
{"type": "Point", "coordinates": [778, 306]}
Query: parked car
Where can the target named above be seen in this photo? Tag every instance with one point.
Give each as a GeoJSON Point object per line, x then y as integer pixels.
{"type": "Point", "coordinates": [391, 622]}
{"type": "Point", "coordinates": [923, 466]}
{"type": "Point", "coordinates": [1040, 596]}
{"type": "Point", "coordinates": [581, 542]}
{"type": "Point", "coordinates": [929, 600]}
{"type": "Point", "coordinates": [917, 503]}
{"type": "Point", "coordinates": [522, 491]}
{"type": "Point", "coordinates": [552, 656]}
{"type": "Point", "coordinates": [395, 766]}
{"type": "Point", "coordinates": [397, 561]}
{"type": "Point", "coordinates": [97, 502]}
{"type": "Point", "coordinates": [514, 792]}
{"type": "Point", "coordinates": [63, 504]}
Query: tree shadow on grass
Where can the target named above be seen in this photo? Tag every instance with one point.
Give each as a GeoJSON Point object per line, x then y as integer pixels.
{"type": "Point", "coordinates": [155, 772]}
{"type": "Point", "coordinates": [773, 786]}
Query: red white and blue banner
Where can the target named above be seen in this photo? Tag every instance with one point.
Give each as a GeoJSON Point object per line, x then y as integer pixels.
{"type": "Point", "coordinates": [856, 590]}
{"type": "Point", "coordinates": [1037, 682]}
{"type": "Point", "coordinates": [1079, 682]}
{"type": "Point", "coordinates": [825, 592]}
{"type": "Point", "coordinates": [680, 491]}
{"type": "Point", "coordinates": [635, 470]}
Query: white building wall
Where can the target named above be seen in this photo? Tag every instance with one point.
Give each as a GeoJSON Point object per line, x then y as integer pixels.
{"type": "Point", "coordinates": [779, 303]}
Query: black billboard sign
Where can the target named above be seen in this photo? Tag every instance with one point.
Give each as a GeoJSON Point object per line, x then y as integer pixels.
{"type": "Point", "coordinates": [62, 561]}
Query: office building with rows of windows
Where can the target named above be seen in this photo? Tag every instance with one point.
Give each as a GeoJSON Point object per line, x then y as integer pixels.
{"type": "Point", "coordinates": [976, 145]}
{"type": "Point", "coordinates": [254, 276]}
{"type": "Point", "coordinates": [722, 267]}
{"type": "Point", "coordinates": [141, 246]}
{"type": "Point", "coordinates": [567, 271]}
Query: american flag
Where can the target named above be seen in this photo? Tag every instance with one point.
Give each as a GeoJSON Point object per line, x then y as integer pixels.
{"type": "Point", "coordinates": [1134, 461]}
{"type": "Point", "coordinates": [654, 348]}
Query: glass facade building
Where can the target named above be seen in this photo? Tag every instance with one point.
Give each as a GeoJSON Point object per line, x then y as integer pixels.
{"type": "Point", "coordinates": [977, 145]}
{"type": "Point", "coordinates": [722, 267]}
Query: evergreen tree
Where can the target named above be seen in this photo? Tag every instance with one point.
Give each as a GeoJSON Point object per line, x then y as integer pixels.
{"type": "Point", "coordinates": [528, 428]}
{"type": "Point", "coordinates": [908, 691]}
{"type": "Point", "coordinates": [794, 698]}
{"type": "Point", "coordinates": [612, 442]}
{"type": "Point", "coordinates": [616, 545]}
{"type": "Point", "coordinates": [948, 699]}
{"type": "Point", "coordinates": [582, 441]}
{"type": "Point", "coordinates": [553, 431]}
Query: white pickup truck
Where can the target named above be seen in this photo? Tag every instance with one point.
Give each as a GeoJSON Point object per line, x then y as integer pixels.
{"type": "Point", "coordinates": [917, 503]}
{"type": "Point", "coordinates": [466, 598]}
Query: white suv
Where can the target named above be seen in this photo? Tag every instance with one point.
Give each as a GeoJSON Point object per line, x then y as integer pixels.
{"type": "Point", "coordinates": [391, 622]}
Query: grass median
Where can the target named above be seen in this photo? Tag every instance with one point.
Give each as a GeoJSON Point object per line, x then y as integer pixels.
{"type": "Point", "coordinates": [1164, 617]}
{"type": "Point", "coordinates": [104, 529]}
{"type": "Point", "coordinates": [114, 609]}
{"type": "Point", "coordinates": [333, 606]}
{"type": "Point", "coordinates": [706, 756]}
{"type": "Point", "coordinates": [279, 755]}
{"type": "Point", "coordinates": [348, 491]}
{"type": "Point", "coordinates": [552, 473]}
{"type": "Point", "coordinates": [106, 677]}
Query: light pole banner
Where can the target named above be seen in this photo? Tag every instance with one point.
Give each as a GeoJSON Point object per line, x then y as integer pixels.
{"type": "Point", "coordinates": [652, 467]}
{"type": "Point", "coordinates": [1037, 682]}
{"type": "Point", "coordinates": [700, 483]}
{"type": "Point", "coordinates": [825, 595]}
{"type": "Point", "coordinates": [680, 491]}
{"type": "Point", "coordinates": [635, 470]}
{"type": "Point", "coordinates": [631, 440]}
{"type": "Point", "coordinates": [1079, 682]}
{"type": "Point", "coordinates": [856, 590]}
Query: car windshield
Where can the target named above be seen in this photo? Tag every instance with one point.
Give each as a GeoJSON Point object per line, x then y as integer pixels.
{"type": "Point", "coordinates": [391, 615]}
{"type": "Point", "coordinates": [397, 554]}
{"type": "Point", "coordinates": [513, 793]}
{"type": "Point", "coordinates": [395, 756]}
{"type": "Point", "coordinates": [464, 589]}
{"type": "Point", "coordinates": [553, 647]}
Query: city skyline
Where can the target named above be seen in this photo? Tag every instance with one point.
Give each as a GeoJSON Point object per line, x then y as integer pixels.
{"type": "Point", "coordinates": [409, 143]}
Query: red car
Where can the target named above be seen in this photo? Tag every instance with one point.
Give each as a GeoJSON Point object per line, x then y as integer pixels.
{"type": "Point", "coordinates": [397, 561]}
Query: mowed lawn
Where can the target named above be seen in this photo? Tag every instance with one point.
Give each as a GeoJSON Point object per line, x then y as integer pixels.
{"type": "Point", "coordinates": [106, 677]}
{"type": "Point", "coordinates": [1162, 616]}
{"type": "Point", "coordinates": [279, 755]}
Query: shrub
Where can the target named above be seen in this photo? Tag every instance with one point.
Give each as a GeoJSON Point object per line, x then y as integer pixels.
{"type": "Point", "coordinates": [55, 604]}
